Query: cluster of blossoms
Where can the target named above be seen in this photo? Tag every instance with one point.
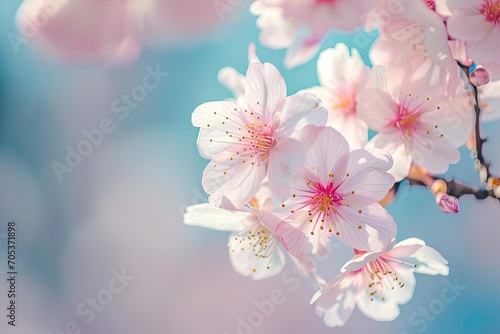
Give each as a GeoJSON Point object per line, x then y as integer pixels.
{"type": "Point", "coordinates": [284, 181]}
{"type": "Point", "coordinates": [288, 173]}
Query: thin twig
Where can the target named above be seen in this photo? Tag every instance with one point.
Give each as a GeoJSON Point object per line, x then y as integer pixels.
{"type": "Point", "coordinates": [478, 139]}
{"type": "Point", "coordinates": [457, 189]}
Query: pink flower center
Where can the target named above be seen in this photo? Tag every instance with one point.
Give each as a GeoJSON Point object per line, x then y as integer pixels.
{"type": "Point", "coordinates": [323, 201]}
{"type": "Point", "coordinates": [380, 276]}
{"type": "Point", "coordinates": [261, 138]}
{"type": "Point", "coordinates": [491, 11]}
{"type": "Point", "coordinates": [407, 119]}
{"type": "Point", "coordinates": [346, 101]}
{"type": "Point", "coordinates": [256, 238]}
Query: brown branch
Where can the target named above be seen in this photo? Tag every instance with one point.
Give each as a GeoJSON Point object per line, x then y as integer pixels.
{"type": "Point", "coordinates": [478, 139]}
{"type": "Point", "coordinates": [456, 189]}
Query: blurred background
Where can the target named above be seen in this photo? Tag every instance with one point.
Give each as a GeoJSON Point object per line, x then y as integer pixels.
{"type": "Point", "coordinates": [102, 248]}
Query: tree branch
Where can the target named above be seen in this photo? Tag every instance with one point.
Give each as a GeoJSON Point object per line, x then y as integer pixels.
{"type": "Point", "coordinates": [478, 139]}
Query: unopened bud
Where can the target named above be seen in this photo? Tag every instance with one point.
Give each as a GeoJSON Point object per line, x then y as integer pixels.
{"type": "Point", "coordinates": [447, 203]}
{"type": "Point", "coordinates": [439, 186]}
{"type": "Point", "coordinates": [479, 76]}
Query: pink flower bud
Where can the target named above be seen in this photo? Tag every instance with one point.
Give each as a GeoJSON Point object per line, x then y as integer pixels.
{"type": "Point", "coordinates": [479, 76]}
{"type": "Point", "coordinates": [447, 203]}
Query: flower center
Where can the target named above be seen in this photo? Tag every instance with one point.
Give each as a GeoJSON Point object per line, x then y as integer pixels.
{"type": "Point", "coordinates": [261, 137]}
{"type": "Point", "coordinates": [346, 101]}
{"type": "Point", "coordinates": [491, 11]}
{"type": "Point", "coordinates": [380, 276]}
{"type": "Point", "coordinates": [256, 238]}
{"type": "Point", "coordinates": [407, 120]}
{"type": "Point", "coordinates": [346, 105]}
{"type": "Point", "coordinates": [325, 200]}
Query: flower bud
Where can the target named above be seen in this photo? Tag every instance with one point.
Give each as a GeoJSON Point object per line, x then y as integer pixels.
{"type": "Point", "coordinates": [447, 203]}
{"type": "Point", "coordinates": [439, 186]}
{"type": "Point", "coordinates": [479, 76]}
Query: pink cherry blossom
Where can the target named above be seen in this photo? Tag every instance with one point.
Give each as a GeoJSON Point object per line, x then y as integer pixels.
{"type": "Point", "coordinates": [377, 282]}
{"type": "Point", "coordinates": [301, 25]}
{"type": "Point", "coordinates": [247, 142]}
{"type": "Point", "coordinates": [414, 123]}
{"type": "Point", "coordinates": [336, 193]}
{"type": "Point", "coordinates": [341, 76]}
{"type": "Point", "coordinates": [413, 44]}
{"type": "Point", "coordinates": [477, 22]}
{"type": "Point", "coordinates": [108, 30]}
{"type": "Point", "coordinates": [64, 31]}
{"type": "Point", "coordinates": [254, 249]}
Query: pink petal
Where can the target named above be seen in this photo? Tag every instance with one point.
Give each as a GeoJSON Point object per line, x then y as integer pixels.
{"type": "Point", "coordinates": [359, 260]}
{"type": "Point", "coordinates": [211, 117]}
{"type": "Point", "coordinates": [368, 182]}
{"type": "Point", "coordinates": [208, 216]}
{"type": "Point", "coordinates": [352, 128]}
{"type": "Point", "coordinates": [285, 159]}
{"type": "Point", "coordinates": [376, 108]}
{"type": "Point", "coordinates": [336, 301]}
{"type": "Point", "coordinates": [265, 90]}
{"type": "Point", "coordinates": [377, 227]}
{"type": "Point", "coordinates": [293, 237]}
{"type": "Point", "coordinates": [300, 52]}
{"type": "Point", "coordinates": [300, 109]}
{"type": "Point", "coordinates": [113, 33]}
{"type": "Point", "coordinates": [391, 142]}
{"type": "Point", "coordinates": [460, 23]}
{"type": "Point", "coordinates": [420, 258]}
{"type": "Point", "coordinates": [327, 153]}
{"type": "Point", "coordinates": [433, 152]}
{"type": "Point", "coordinates": [238, 179]}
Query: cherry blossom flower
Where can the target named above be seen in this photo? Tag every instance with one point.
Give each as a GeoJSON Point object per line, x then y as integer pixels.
{"type": "Point", "coordinates": [341, 76]}
{"type": "Point", "coordinates": [300, 25]}
{"type": "Point", "coordinates": [336, 193]}
{"type": "Point", "coordinates": [413, 43]}
{"type": "Point", "coordinates": [414, 123]}
{"type": "Point", "coordinates": [107, 30]}
{"type": "Point", "coordinates": [66, 32]}
{"type": "Point", "coordinates": [247, 142]}
{"type": "Point", "coordinates": [254, 249]}
{"type": "Point", "coordinates": [378, 282]}
{"type": "Point", "coordinates": [477, 22]}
